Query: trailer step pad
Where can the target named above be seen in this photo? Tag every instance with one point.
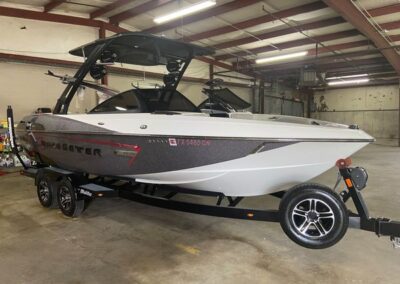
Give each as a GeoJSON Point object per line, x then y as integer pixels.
{"type": "Point", "coordinates": [95, 190]}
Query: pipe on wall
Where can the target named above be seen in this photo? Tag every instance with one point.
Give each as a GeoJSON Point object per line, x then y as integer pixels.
{"type": "Point", "coordinates": [261, 96]}
{"type": "Point", "coordinates": [398, 133]}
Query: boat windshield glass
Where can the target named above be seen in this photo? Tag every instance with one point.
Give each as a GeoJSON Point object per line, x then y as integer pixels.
{"type": "Point", "coordinates": [145, 100]}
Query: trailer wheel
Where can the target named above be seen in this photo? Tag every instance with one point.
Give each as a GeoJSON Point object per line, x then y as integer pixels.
{"type": "Point", "coordinates": [68, 200]}
{"type": "Point", "coordinates": [313, 216]}
{"type": "Point", "coordinates": [47, 191]}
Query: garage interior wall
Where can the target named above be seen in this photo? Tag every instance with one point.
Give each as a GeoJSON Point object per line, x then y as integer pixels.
{"type": "Point", "coordinates": [375, 109]}
{"type": "Point", "coordinates": [32, 89]}
{"type": "Point", "coordinates": [283, 99]}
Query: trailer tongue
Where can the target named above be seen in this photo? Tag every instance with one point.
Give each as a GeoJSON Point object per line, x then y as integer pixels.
{"type": "Point", "coordinates": [312, 215]}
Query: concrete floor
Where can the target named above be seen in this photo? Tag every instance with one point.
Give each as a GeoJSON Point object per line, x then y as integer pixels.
{"type": "Point", "coordinates": [118, 241]}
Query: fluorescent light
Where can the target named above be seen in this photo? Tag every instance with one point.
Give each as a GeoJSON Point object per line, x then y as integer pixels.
{"type": "Point", "coordinates": [185, 11]}
{"type": "Point", "coordinates": [348, 82]}
{"type": "Point", "coordinates": [347, 76]}
{"type": "Point", "coordinates": [281, 57]}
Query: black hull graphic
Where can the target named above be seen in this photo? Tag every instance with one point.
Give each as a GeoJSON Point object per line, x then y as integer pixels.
{"type": "Point", "coordinates": [120, 155]}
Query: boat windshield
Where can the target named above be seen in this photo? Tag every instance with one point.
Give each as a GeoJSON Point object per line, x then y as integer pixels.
{"type": "Point", "coordinates": [145, 100]}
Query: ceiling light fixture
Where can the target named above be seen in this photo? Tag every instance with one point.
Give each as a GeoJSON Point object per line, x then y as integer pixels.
{"type": "Point", "coordinates": [281, 57]}
{"type": "Point", "coordinates": [185, 11]}
{"type": "Point", "coordinates": [348, 82]}
{"type": "Point", "coordinates": [347, 76]}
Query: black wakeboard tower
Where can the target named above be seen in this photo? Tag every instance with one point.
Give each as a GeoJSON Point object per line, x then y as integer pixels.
{"type": "Point", "coordinates": [132, 48]}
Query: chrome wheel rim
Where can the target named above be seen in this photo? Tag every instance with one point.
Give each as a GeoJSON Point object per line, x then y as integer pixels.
{"type": "Point", "coordinates": [313, 218]}
{"type": "Point", "coordinates": [44, 191]}
{"type": "Point", "coordinates": [65, 198]}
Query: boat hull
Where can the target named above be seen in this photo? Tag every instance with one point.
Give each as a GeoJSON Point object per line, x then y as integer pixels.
{"type": "Point", "coordinates": [260, 173]}
{"type": "Point", "coordinates": [234, 166]}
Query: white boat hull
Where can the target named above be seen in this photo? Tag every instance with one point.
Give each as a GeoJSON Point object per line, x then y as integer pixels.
{"type": "Point", "coordinates": [260, 173]}
{"type": "Point", "coordinates": [245, 155]}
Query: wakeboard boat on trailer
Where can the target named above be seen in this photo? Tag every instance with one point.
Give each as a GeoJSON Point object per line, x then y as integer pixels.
{"type": "Point", "coordinates": [149, 144]}
{"type": "Point", "coordinates": [158, 136]}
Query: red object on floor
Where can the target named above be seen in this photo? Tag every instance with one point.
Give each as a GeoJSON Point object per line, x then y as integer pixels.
{"type": "Point", "coordinates": [2, 173]}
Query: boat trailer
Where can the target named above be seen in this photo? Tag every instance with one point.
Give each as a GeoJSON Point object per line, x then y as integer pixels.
{"type": "Point", "coordinates": [162, 196]}
{"type": "Point", "coordinates": [72, 192]}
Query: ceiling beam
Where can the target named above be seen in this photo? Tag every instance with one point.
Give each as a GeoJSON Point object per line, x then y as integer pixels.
{"type": "Point", "coordinates": [267, 35]}
{"type": "Point", "coordinates": [53, 4]}
{"type": "Point", "coordinates": [385, 10]}
{"type": "Point", "coordinates": [348, 11]}
{"type": "Point", "coordinates": [140, 9]}
{"type": "Point", "coordinates": [258, 21]}
{"type": "Point", "coordinates": [56, 18]}
{"type": "Point", "coordinates": [108, 8]}
{"type": "Point", "coordinates": [291, 44]}
{"type": "Point", "coordinates": [340, 46]}
{"type": "Point", "coordinates": [221, 9]}
{"type": "Point", "coordinates": [390, 26]}
{"type": "Point", "coordinates": [394, 38]}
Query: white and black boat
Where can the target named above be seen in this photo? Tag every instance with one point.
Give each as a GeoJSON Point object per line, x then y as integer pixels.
{"type": "Point", "coordinates": [158, 136]}
{"type": "Point", "coordinates": [148, 145]}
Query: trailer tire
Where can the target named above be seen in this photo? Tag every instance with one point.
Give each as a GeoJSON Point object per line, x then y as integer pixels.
{"type": "Point", "coordinates": [46, 191]}
{"type": "Point", "coordinates": [313, 216]}
{"type": "Point", "coordinates": [68, 201]}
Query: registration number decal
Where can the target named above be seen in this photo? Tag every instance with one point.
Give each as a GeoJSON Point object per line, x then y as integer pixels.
{"type": "Point", "coordinates": [193, 142]}
{"type": "Point", "coordinates": [179, 142]}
